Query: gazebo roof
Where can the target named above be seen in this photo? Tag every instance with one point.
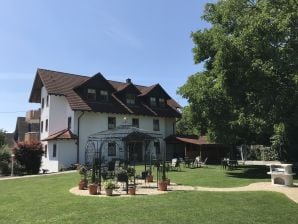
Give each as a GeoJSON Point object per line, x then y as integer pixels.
{"type": "Point", "coordinates": [125, 132]}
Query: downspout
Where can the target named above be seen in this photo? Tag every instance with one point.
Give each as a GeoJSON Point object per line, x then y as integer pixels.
{"type": "Point", "coordinates": [78, 141]}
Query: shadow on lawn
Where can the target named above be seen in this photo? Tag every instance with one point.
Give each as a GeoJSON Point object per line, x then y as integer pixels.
{"type": "Point", "coordinates": [252, 172]}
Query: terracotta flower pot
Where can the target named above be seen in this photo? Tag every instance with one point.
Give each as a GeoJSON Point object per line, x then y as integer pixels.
{"type": "Point", "coordinates": [109, 191]}
{"type": "Point", "coordinates": [132, 190]}
{"type": "Point", "coordinates": [92, 189]}
{"type": "Point", "coordinates": [162, 185]}
{"type": "Point", "coordinates": [82, 185]}
{"type": "Point", "coordinates": [149, 178]}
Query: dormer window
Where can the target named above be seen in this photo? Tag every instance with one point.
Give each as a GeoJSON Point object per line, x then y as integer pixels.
{"type": "Point", "coordinates": [153, 101]}
{"type": "Point", "coordinates": [130, 99]}
{"type": "Point", "coordinates": [104, 95]}
{"type": "Point", "coordinates": [91, 94]}
{"type": "Point", "coordinates": [161, 102]}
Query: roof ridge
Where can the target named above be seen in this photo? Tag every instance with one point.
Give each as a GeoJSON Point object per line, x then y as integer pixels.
{"type": "Point", "coordinates": [65, 73]}
{"type": "Point", "coordinates": [86, 76]}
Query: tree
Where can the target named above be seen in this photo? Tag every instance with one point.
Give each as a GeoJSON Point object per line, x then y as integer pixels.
{"type": "Point", "coordinates": [250, 82]}
{"type": "Point", "coordinates": [185, 125]}
{"type": "Point", "coordinates": [2, 138]}
{"type": "Point", "coordinates": [29, 155]}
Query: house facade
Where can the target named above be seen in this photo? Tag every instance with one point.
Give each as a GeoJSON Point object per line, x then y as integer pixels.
{"type": "Point", "coordinates": [73, 107]}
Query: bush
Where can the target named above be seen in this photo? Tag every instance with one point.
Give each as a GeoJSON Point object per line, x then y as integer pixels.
{"type": "Point", "coordinates": [4, 162]}
{"type": "Point", "coordinates": [259, 152]}
{"type": "Point", "coordinates": [29, 156]}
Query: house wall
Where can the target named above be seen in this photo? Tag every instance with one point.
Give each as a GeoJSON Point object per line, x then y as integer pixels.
{"type": "Point", "coordinates": [49, 163]}
{"type": "Point", "coordinates": [65, 155]}
{"type": "Point", "coordinates": [44, 113]}
{"type": "Point", "coordinates": [58, 111]}
{"type": "Point", "coordinates": [92, 123]}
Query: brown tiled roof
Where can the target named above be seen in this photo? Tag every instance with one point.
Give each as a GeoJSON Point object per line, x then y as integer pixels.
{"type": "Point", "coordinates": [64, 84]}
{"type": "Point", "coordinates": [65, 134]}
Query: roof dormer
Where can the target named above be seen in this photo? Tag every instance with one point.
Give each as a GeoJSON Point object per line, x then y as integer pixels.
{"type": "Point", "coordinates": [96, 88]}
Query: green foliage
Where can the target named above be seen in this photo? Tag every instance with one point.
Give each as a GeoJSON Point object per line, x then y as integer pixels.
{"type": "Point", "coordinates": [185, 125]}
{"type": "Point", "coordinates": [83, 171]}
{"type": "Point", "coordinates": [279, 140]}
{"type": "Point", "coordinates": [2, 138]}
{"type": "Point", "coordinates": [250, 82]}
{"type": "Point", "coordinates": [259, 152]}
{"type": "Point", "coordinates": [29, 156]}
{"type": "Point", "coordinates": [109, 184]}
{"type": "Point", "coordinates": [5, 160]}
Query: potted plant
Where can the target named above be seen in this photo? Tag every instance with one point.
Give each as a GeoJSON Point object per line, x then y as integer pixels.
{"type": "Point", "coordinates": [93, 185]}
{"type": "Point", "coordinates": [83, 182]}
{"type": "Point", "coordinates": [163, 183]}
{"type": "Point", "coordinates": [122, 175]}
{"type": "Point", "coordinates": [132, 189]}
{"type": "Point", "coordinates": [149, 177]}
{"type": "Point", "coordinates": [109, 185]}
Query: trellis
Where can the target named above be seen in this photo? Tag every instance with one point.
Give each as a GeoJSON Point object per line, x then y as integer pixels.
{"type": "Point", "coordinates": [122, 136]}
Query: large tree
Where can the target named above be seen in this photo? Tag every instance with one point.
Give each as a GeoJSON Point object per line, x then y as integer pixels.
{"type": "Point", "coordinates": [248, 92]}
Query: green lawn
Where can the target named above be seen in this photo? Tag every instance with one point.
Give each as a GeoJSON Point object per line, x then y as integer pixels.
{"type": "Point", "coordinates": [47, 200]}
{"type": "Point", "coordinates": [215, 176]}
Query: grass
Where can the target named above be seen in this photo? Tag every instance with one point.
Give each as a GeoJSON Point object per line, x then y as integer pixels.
{"type": "Point", "coordinates": [215, 176]}
{"type": "Point", "coordinates": [47, 199]}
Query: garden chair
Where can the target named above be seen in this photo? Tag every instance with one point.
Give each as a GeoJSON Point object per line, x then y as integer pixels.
{"type": "Point", "coordinates": [175, 165]}
{"type": "Point", "coordinates": [197, 162]}
{"type": "Point", "coordinates": [203, 164]}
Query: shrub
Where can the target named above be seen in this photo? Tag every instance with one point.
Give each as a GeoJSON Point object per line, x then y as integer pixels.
{"type": "Point", "coordinates": [4, 162]}
{"type": "Point", "coordinates": [29, 155]}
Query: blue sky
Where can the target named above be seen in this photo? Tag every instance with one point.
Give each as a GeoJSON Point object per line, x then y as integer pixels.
{"type": "Point", "coordinates": [147, 41]}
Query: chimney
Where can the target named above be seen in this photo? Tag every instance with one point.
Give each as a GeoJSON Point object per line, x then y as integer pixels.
{"type": "Point", "coordinates": [128, 80]}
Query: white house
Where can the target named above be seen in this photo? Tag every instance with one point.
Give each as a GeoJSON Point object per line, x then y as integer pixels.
{"type": "Point", "coordinates": [74, 107]}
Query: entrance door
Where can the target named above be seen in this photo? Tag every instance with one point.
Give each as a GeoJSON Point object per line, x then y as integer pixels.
{"type": "Point", "coordinates": [135, 151]}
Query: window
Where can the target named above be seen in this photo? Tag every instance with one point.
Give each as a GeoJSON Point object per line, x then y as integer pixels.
{"type": "Point", "coordinates": [54, 151]}
{"type": "Point", "coordinates": [152, 101]}
{"type": "Point", "coordinates": [130, 99]}
{"type": "Point", "coordinates": [111, 122]}
{"type": "Point", "coordinates": [157, 147]}
{"type": "Point", "coordinates": [69, 123]}
{"type": "Point", "coordinates": [104, 95]}
{"type": "Point", "coordinates": [47, 100]}
{"type": "Point", "coordinates": [47, 125]}
{"type": "Point", "coordinates": [155, 125]}
{"type": "Point", "coordinates": [91, 94]}
{"type": "Point", "coordinates": [161, 102]}
{"type": "Point", "coordinates": [135, 122]}
{"type": "Point", "coordinates": [41, 126]}
{"type": "Point", "coordinates": [46, 151]}
{"type": "Point", "coordinates": [42, 103]}
{"type": "Point", "coordinates": [112, 149]}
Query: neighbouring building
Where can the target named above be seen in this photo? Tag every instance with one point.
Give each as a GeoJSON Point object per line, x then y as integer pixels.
{"type": "Point", "coordinates": [73, 107]}
{"type": "Point", "coordinates": [9, 141]}
{"type": "Point", "coordinates": [191, 146]}
{"type": "Point", "coordinates": [27, 128]}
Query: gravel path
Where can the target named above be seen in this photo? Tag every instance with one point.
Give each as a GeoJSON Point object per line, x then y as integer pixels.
{"type": "Point", "coordinates": [290, 192]}
{"type": "Point", "coordinates": [151, 189]}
